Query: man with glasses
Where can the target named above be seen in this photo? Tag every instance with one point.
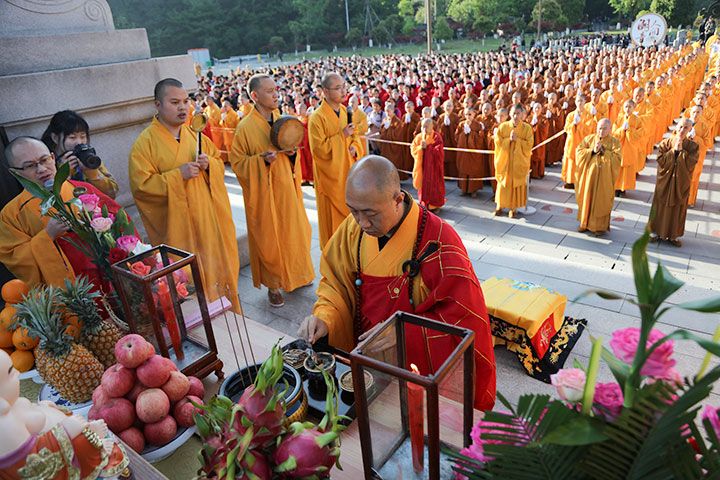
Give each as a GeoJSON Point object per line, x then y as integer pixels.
{"type": "Point", "coordinates": [36, 248]}
{"type": "Point", "coordinates": [334, 150]}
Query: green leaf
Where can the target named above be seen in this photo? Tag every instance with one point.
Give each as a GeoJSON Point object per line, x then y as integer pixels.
{"type": "Point", "coordinates": [579, 365]}
{"type": "Point", "coordinates": [62, 174]}
{"type": "Point", "coordinates": [641, 270]}
{"type": "Point", "coordinates": [663, 285]}
{"type": "Point", "coordinates": [33, 188]}
{"type": "Point", "coordinates": [710, 305]}
{"type": "Point", "coordinates": [619, 369]}
{"type": "Point", "coordinates": [600, 293]}
{"type": "Point", "coordinates": [709, 345]}
{"type": "Point", "coordinates": [581, 430]}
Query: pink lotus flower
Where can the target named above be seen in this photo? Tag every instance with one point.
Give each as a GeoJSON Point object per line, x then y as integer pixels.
{"type": "Point", "coordinates": [624, 343]}
{"type": "Point", "coordinates": [101, 224]}
{"type": "Point", "coordinates": [570, 384]}
{"type": "Point", "coordinates": [610, 397]}
{"type": "Point", "coordinates": [89, 201]}
{"type": "Point", "coordinates": [713, 415]}
{"type": "Point", "coordinates": [128, 242]}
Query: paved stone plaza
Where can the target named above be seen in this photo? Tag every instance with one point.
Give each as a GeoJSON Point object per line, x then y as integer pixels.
{"type": "Point", "coordinates": [546, 248]}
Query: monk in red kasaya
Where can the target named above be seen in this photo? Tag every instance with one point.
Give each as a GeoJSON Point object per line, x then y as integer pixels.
{"type": "Point", "coordinates": [428, 171]}
{"type": "Point", "coordinates": [391, 255]}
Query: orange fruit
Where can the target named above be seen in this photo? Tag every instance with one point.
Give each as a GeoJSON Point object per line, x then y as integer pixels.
{"type": "Point", "coordinates": [6, 317]}
{"type": "Point", "coordinates": [13, 291]}
{"type": "Point", "coordinates": [72, 330]}
{"type": "Point", "coordinates": [23, 360]}
{"type": "Point", "coordinates": [22, 340]}
{"type": "Point", "coordinates": [6, 338]}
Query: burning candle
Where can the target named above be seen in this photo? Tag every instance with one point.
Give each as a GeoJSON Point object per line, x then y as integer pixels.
{"type": "Point", "coordinates": [415, 412]}
{"type": "Point", "coordinates": [170, 320]}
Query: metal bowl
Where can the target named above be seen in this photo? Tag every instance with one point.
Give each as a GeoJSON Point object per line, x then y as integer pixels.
{"type": "Point", "coordinates": [327, 360]}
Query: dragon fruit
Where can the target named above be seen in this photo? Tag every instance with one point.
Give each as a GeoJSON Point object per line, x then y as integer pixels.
{"type": "Point", "coordinates": [309, 452]}
{"type": "Point", "coordinates": [260, 406]}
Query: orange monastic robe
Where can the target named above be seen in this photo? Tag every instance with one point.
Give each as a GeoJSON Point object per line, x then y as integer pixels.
{"type": "Point", "coordinates": [446, 290]}
{"type": "Point", "coordinates": [193, 215]}
{"type": "Point", "coordinates": [575, 134]}
{"type": "Point", "coordinates": [471, 165]}
{"type": "Point", "coordinates": [229, 121]}
{"type": "Point", "coordinates": [277, 225]}
{"type": "Point", "coordinates": [703, 137]}
{"type": "Point", "coordinates": [631, 141]}
{"type": "Point", "coordinates": [331, 164]}
{"type": "Point", "coordinates": [359, 119]}
{"type": "Point", "coordinates": [512, 163]}
{"type": "Point", "coordinates": [214, 118]}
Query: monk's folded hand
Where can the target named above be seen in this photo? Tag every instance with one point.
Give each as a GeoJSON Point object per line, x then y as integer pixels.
{"type": "Point", "coordinates": [312, 328]}
{"type": "Point", "coordinates": [423, 144]}
{"type": "Point", "coordinates": [55, 228]}
{"type": "Point", "coordinates": [203, 161]}
{"type": "Point", "coordinates": [352, 151]}
{"type": "Point", "coordinates": [348, 130]}
{"type": "Point", "coordinates": [189, 170]}
{"type": "Point", "coordinates": [269, 156]}
{"type": "Point", "coordinates": [513, 136]}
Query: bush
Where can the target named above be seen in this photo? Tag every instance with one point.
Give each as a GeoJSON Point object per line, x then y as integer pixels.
{"type": "Point", "coordinates": [277, 43]}
{"type": "Point", "coordinates": [353, 37]}
{"type": "Point", "coordinates": [442, 30]}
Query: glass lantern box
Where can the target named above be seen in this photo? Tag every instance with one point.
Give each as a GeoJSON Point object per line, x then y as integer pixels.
{"type": "Point", "coordinates": [404, 415]}
{"type": "Point", "coordinates": [161, 293]}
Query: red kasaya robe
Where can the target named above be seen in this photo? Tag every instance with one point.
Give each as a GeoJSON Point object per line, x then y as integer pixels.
{"type": "Point", "coordinates": [428, 171]}
{"type": "Point", "coordinates": [306, 159]}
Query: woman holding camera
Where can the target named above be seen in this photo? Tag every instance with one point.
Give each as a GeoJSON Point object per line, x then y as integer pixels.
{"type": "Point", "coordinates": [67, 137]}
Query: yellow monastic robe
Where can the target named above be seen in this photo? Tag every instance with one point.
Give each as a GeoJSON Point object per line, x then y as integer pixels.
{"type": "Point", "coordinates": [193, 215]}
{"type": "Point", "coordinates": [614, 107]}
{"type": "Point", "coordinates": [359, 119]}
{"type": "Point", "coordinates": [25, 247]}
{"type": "Point", "coordinates": [601, 111]}
{"type": "Point", "coordinates": [595, 186]}
{"type": "Point", "coordinates": [228, 125]}
{"type": "Point", "coordinates": [631, 141]}
{"type": "Point", "coordinates": [512, 164]}
{"type": "Point", "coordinates": [214, 118]}
{"type": "Point", "coordinates": [277, 225]}
{"type": "Point", "coordinates": [703, 137]}
{"type": "Point", "coordinates": [331, 164]}
{"type": "Point", "coordinates": [575, 133]}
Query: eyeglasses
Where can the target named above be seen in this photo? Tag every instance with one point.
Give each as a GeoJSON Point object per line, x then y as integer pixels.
{"type": "Point", "coordinates": [44, 161]}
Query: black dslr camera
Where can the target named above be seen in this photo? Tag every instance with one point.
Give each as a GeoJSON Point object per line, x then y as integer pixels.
{"type": "Point", "coordinates": [87, 156]}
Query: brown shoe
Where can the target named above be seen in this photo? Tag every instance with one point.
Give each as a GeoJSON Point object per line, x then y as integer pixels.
{"type": "Point", "coordinates": [654, 239]}
{"type": "Point", "coordinates": [569, 186]}
{"type": "Point", "coordinates": [599, 233]}
{"type": "Point", "coordinates": [675, 243]}
{"type": "Point", "coordinates": [497, 211]}
{"type": "Point", "coordinates": [275, 297]}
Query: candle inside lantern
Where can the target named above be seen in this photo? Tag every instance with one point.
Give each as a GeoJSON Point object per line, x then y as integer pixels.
{"type": "Point", "coordinates": [415, 412]}
{"type": "Point", "coordinates": [170, 320]}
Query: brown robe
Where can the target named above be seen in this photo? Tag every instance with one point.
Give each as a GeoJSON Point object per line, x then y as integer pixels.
{"type": "Point", "coordinates": [391, 151]}
{"type": "Point", "coordinates": [471, 165]}
{"type": "Point", "coordinates": [537, 160]}
{"type": "Point", "coordinates": [595, 184]}
{"type": "Point", "coordinates": [447, 132]}
{"type": "Point", "coordinates": [556, 123]}
{"type": "Point", "coordinates": [672, 188]}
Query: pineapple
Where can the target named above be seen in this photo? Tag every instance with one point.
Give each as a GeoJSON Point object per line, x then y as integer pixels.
{"type": "Point", "coordinates": [63, 364]}
{"type": "Point", "coordinates": [97, 335]}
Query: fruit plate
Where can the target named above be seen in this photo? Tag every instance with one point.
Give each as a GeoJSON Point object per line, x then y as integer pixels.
{"type": "Point", "coordinates": [48, 392]}
{"type": "Point", "coordinates": [154, 454]}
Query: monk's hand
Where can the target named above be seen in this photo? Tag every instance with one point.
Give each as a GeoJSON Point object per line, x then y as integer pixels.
{"type": "Point", "coordinates": [423, 144]}
{"type": "Point", "coordinates": [203, 161]}
{"type": "Point", "coordinates": [352, 151]}
{"type": "Point", "coordinates": [513, 136]}
{"type": "Point", "coordinates": [269, 156]}
{"type": "Point", "coordinates": [348, 130]}
{"type": "Point", "coordinates": [312, 329]}
{"type": "Point", "coordinates": [384, 342]}
{"type": "Point", "coordinates": [189, 170]}
{"type": "Point", "coordinates": [55, 228]}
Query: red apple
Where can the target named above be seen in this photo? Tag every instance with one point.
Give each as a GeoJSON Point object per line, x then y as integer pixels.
{"type": "Point", "coordinates": [132, 350]}
{"type": "Point", "coordinates": [162, 432]}
{"type": "Point", "coordinates": [196, 387]}
{"type": "Point", "coordinates": [100, 396]}
{"type": "Point", "coordinates": [171, 364]}
{"type": "Point", "coordinates": [177, 386]}
{"type": "Point", "coordinates": [118, 413]}
{"type": "Point", "coordinates": [152, 405]}
{"type": "Point", "coordinates": [118, 380]}
{"type": "Point", "coordinates": [134, 438]}
{"type": "Point", "coordinates": [135, 391]}
{"type": "Point", "coordinates": [183, 411]}
{"type": "Point", "coordinates": [94, 412]}
{"type": "Point", "coordinates": [154, 372]}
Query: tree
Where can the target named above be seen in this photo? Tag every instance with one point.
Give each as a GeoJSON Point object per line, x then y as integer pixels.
{"type": "Point", "coordinates": [629, 8]}
{"type": "Point", "coordinates": [409, 25]}
{"type": "Point", "coordinates": [572, 9]}
{"type": "Point", "coordinates": [675, 12]}
{"type": "Point", "coordinates": [380, 35]}
{"type": "Point", "coordinates": [277, 43]}
{"type": "Point", "coordinates": [552, 15]}
{"type": "Point", "coordinates": [442, 30]}
{"type": "Point", "coordinates": [354, 37]}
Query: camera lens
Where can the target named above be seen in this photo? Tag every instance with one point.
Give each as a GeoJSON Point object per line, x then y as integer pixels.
{"type": "Point", "coordinates": [87, 156]}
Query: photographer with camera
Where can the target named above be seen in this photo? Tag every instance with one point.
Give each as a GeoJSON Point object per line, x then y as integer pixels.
{"type": "Point", "coordinates": [68, 137]}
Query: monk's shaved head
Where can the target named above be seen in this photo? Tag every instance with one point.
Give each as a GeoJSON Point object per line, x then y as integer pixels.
{"type": "Point", "coordinates": [374, 173]}
{"type": "Point", "coordinates": [163, 85]}
{"type": "Point", "coordinates": [328, 79]}
{"type": "Point", "coordinates": [255, 82]}
{"type": "Point", "coordinates": [12, 148]}
{"type": "Point", "coordinates": [374, 197]}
